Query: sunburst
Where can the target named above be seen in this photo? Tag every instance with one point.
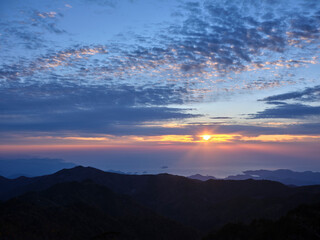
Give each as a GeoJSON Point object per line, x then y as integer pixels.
{"type": "Point", "coordinates": [206, 137]}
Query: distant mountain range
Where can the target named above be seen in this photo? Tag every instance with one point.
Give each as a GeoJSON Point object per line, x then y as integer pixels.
{"type": "Point", "coordinates": [284, 176]}
{"type": "Point", "coordinates": [31, 167]}
{"type": "Point", "coordinates": [201, 177]}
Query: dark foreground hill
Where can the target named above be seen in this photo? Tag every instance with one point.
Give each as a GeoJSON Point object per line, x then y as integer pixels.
{"type": "Point", "coordinates": [302, 223]}
{"type": "Point", "coordinates": [84, 210]}
{"type": "Point", "coordinates": [202, 205]}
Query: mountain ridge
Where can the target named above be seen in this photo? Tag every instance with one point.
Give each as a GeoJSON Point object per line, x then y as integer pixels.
{"type": "Point", "coordinates": [284, 176]}
{"type": "Point", "coordinates": [84, 210]}
{"type": "Point", "coordinates": [202, 205]}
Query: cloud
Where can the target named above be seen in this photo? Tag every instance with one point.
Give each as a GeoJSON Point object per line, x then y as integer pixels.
{"type": "Point", "coordinates": [29, 29]}
{"type": "Point", "coordinates": [18, 34]}
{"type": "Point", "coordinates": [226, 37]}
{"type": "Point", "coordinates": [114, 88]}
{"type": "Point", "coordinates": [256, 130]}
{"type": "Point", "coordinates": [135, 133]}
{"type": "Point", "coordinates": [72, 57]}
{"type": "Point", "coordinates": [311, 94]}
{"type": "Point", "coordinates": [222, 118]}
{"type": "Point", "coordinates": [283, 109]}
{"type": "Point", "coordinates": [47, 21]}
{"type": "Point", "coordinates": [54, 107]}
{"type": "Point", "coordinates": [288, 111]}
{"type": "Point", "coordinates": [96, 121]}
{"type": "Point", "coordinates": [211, 40]}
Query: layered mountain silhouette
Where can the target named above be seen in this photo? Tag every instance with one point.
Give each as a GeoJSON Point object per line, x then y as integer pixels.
{"type": "Point", "coordinates": [201, 177]}
{"type": "Point", "coordinates": [284, 176]}
{"type": "Point", "coordinates": [162, 200]}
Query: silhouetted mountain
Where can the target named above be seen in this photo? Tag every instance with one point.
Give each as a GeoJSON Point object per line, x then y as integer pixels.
{"type": "Point", "coordinates": [83, 210]}
{"type": "Point", "coordinates": [284, 176]}
{"type": "Point", "coordinates": [203, 205]}
{"type": "Point", "coordinates": [302, 223]}
{"type": "Point", "coordinates": [201, 177]}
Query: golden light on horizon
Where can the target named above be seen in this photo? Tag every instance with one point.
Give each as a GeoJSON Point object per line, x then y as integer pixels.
{"type": "Point", "coordinates": [206, 137]}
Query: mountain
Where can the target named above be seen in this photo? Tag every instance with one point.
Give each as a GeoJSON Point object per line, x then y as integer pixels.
{"type": "Point", "coordinates": [84, 210]}
{"type": "Point", "coordinates": [201, 177]}
{"type": "Point", "coordinates": [300, 224]}
{"type": "Point", "coordinates": [284, 176]}
{"type": "Point", "coordinates": [201, 205]}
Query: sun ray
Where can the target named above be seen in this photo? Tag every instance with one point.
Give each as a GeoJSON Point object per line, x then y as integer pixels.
{"type": "Point", "coordinates": [206, 137]}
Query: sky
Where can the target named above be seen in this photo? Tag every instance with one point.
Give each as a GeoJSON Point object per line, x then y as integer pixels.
{"type": "Point", "coordinates": [211, 87]}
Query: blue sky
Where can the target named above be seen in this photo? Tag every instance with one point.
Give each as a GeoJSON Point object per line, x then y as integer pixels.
{"type": "Point", "coordinates": [123, 75]}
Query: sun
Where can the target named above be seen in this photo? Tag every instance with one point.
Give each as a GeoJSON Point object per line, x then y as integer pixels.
{"type": "Point", "coordinates": [206, 137]}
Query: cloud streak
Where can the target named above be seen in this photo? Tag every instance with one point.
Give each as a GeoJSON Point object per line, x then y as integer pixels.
{"type": "Point", "coordinates": [293, 110]}
{"type": "Point", "coordinates": [93, 109]}
{"type": "Point", "coordinates": [311, 94]}
{"type": "Point", "coordinates": [289, 111]}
